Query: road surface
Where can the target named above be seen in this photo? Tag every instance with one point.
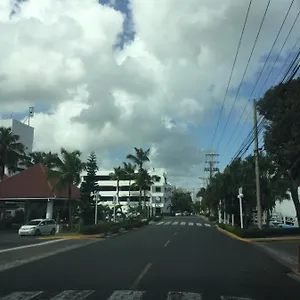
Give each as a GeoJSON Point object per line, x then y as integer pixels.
{"type": "Point", "coordinates": [182, 258]}
{"type": "Point", "coordinates": [11, 239]}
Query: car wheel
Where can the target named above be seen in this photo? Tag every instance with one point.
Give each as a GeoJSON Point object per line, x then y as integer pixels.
{"type": "Point", "coordinates": [53, 231]}
{"type": "Point", "coordinates": [37, 232]}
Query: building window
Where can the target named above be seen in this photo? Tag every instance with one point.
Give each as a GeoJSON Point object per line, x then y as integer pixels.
{"type": "Point", "coordinates": [103, 177]}
{"type": "Point", "coordinates": [106, 188]}
{"type": "Point", "coordinates": [157, 189]}
{"type": "Point", "coordinates": [157, 179]}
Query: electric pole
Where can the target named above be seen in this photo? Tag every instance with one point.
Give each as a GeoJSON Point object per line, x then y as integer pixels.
{"type": "Point", "coordinates": [256, 154]}
{"type": "Point", "coordinates": [210, 160]}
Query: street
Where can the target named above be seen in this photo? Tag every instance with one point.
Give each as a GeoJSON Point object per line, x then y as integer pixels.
{"type": "Point", "coordinates": [180, 254]}
{"type": "Point", "coordinates": [11, 239]}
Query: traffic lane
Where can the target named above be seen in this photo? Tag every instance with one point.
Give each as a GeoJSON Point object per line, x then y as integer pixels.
{"type": "Point", "coordinates": [203, 260]}
{"type": "Point", "coordinates": [13, 258]}
{"type": "Point", "coordinates": [113, 264]}
{"type": "Point", "coordinates": [12, 239]}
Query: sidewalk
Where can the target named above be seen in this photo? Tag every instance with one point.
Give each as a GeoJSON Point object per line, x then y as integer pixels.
{"type": "Point", "coordinates": [283, 252]}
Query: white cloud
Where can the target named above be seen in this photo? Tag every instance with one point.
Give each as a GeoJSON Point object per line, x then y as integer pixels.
{"type": "Point", "coordinates": [63, 54]}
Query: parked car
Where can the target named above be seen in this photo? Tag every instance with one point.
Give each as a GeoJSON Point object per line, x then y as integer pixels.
{"type": "Point", "coordinates": [178, 214]}
{"type": "Point", "coordinates": [38, 227]}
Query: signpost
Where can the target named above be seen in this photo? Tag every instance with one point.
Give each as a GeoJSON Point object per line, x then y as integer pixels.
{"type": "Point", "coordinates": [240, 196]}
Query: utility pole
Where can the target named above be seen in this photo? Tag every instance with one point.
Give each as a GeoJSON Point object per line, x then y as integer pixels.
{"type": "Point", "coordinates": [256, 154]}
{"type": "Point", "coordinates": [210, 160]}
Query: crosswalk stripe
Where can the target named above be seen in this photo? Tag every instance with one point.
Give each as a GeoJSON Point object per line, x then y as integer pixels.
{"type": "Point", "coordinates": [128, 295]}
{"type": "Point", "coordinates": [175, 223]}
{"type": "Point", "coordinates": [183, 296]}
{"type": "Point", "coordinates": [182, 223]}
{"type": "Point", "coordinates": [160, 223]}
{"type": "Point", "coordinates": [21, 295]}
{"type": "Point", "coordinates": [167, 223]}
{"type": "Point", "coordinates": [199, 224]}
{"type": "Point", "coordinates": [72, 295]}
{"type": "Point", "coordinates": [191, 223]}
{"type": "Point", "coordinates": [207, 225]}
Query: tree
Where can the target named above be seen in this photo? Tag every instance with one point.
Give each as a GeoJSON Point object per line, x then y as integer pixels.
{"type": "Point", "coordinates": [129, 170]}
{"type": "Point", "coordinates": [181, 200]}
{"type": "Point", "coordinates": [11, 150]}
{"type": "Point", "coordinates": [118, 175]}
{"type": "Point", "coordinates": [69, 168]}
{"type": "Point", "coordinates": [280, 107]}
{"type": "Point", "coordinates": [140, 157]}
{"type": "Point", "coordinates": [89, 186]}
{"type": "Point", "coordinates": [49, 159]}
{"type": "Point", "coordinates": [143, 180]}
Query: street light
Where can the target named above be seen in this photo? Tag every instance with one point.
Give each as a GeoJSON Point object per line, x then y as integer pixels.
{"type": "Point", "coordinates": [96, 198]}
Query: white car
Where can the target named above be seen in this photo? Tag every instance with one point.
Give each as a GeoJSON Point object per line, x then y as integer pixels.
{"type": "Point", "coordinates": [38, 227]}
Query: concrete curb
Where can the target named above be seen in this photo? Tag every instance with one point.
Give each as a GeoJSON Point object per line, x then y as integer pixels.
{"type": "Point", "coordinates": [82, 237]}
{"type": "Point", "coordinates": [232, 235]}
{"type": "Point", "coordinates": [259, 240]}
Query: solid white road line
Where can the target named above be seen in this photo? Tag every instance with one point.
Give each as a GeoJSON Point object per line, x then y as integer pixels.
{"type": "Point", "coordinates": [32, 245]}
{"type": "Point", "coordinates": [167, 223]}
{"type": "Point", "coordinates": [128, 295]}
{"type": "Point", "coordinates": [137, 281]}
{"type": "Point", "coordinates": [191, 223]}
{"type": "Point", "coordinates": [21, 295]}
{"type": "Point", "coordinates": [166, 244]}
{"type": "Point", "coordinates": [183, 296]}
{"type": "Point", "coordinates": [175, 223]}
{"type": "Point", "coordinates": [160, 223]}
{"type": "Point", "coordinates": [182, 223]}
{"type": "Point", "coordinates": [72, 295]}
{"type": "Point", "coordinates": [199, 224]}
{"type": "Point", "coordinates": [207, 225]}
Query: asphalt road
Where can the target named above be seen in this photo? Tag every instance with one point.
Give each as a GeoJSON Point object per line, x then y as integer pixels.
{"type": "Point", "coordinates": [11, 239]}
{"type": "Point", "coordinates": [191, 258]}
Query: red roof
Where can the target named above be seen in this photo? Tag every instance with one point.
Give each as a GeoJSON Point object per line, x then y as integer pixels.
{"type": "Point", "coordinates": [34, 183]}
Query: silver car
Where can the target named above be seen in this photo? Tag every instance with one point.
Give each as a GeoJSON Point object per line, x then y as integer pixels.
{"type": "Point", "coordinates": [38, 227]}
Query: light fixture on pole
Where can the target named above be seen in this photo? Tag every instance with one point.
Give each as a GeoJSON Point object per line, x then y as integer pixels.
{"type": "Point", "coordinates": [96, 198]}
{"type": "Point", "coordinates": [240, 196]}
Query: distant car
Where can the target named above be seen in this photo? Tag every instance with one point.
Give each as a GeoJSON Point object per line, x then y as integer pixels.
{"type": "Point", "coordinates": [178, 214]}
{"type": "Point", "coordinates": [186, 213]}
{"type": "Point", "coordinates": [38, 227]}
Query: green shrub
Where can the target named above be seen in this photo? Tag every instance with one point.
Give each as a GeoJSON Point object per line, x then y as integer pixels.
{"type": "Point", "coordinates": [114, 228]}
{"type": "Point", "coordinates": [102, 227]}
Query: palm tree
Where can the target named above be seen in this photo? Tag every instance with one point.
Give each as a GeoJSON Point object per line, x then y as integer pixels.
{"type": "Point", "coordinates": [143, 181]}
{"type": "Point", "coordinates": [11, 150]}
{"type": "Point", "coordinates": [49, 159]}
{"type": "Point", "coordinates": [69, 168]}
{"type": "Point", "coordinates": [140, 157]}
{"type": "Point", "coordinates": [129, 170]}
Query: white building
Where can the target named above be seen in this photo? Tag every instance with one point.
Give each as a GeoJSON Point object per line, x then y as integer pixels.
{"type": "Point", "coordinates": [158, 196]}
{"type": "Point", "coordinates": [24, 131]}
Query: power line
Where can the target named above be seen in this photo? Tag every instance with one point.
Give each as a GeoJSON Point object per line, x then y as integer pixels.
{"type": "Point", "coordinates": [231, 72]}
{"type": "Point", "coordinates": [245, 71]}
{"type": "Point", "coordinates": [278, 55]}
{"type": "Point", "coordinates": [261, 71]}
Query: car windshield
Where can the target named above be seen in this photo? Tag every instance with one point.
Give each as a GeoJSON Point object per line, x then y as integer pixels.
{"type": "Point", "coordinates": [34, 222]}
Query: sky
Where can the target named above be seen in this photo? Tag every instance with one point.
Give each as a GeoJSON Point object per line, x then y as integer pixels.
{"type": "Point", "coordinates": [110, 76]}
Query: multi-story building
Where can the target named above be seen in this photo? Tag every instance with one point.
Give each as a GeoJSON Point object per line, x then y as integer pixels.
{"type": "Point", "coordinates": [25, 133]}
{"type": "Point", "coordinates": [158, 196]}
